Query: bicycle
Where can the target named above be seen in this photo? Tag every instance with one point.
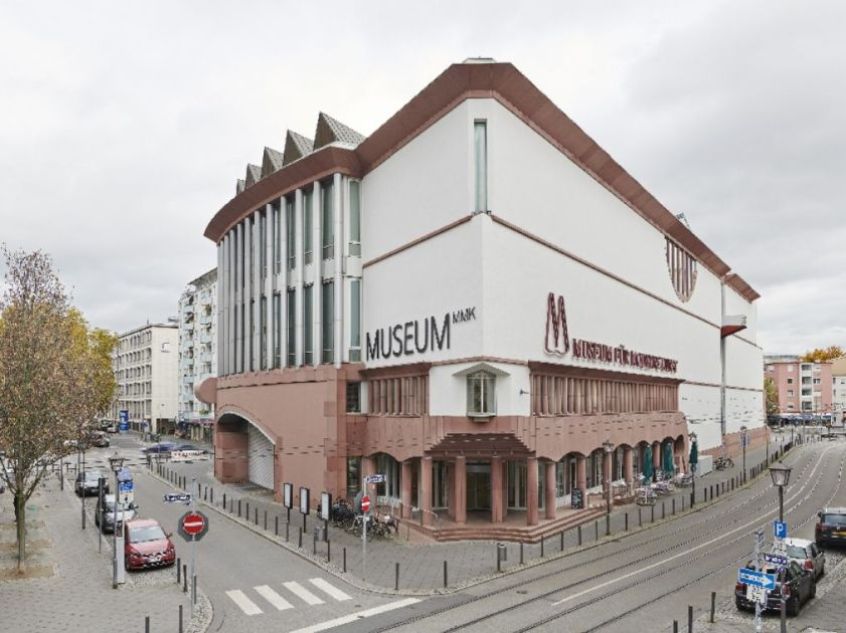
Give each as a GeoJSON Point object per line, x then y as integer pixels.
{"type": "Point", "coordinates": [722, 462]}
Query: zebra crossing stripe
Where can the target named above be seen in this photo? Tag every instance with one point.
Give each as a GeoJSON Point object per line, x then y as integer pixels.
{"type": "Point", "coordinates": [332, 591]}
{"type": "Point", "coordinates": [273, 598]}
{"type": "Point", "coordinates": [301, 592]}
{"type": "Point", "coordinates": [244, 603]}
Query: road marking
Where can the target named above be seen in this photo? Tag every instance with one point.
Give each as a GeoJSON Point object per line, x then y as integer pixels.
{"type": "Point", "coordinates": [354, 617]}
{"type": "Point", "coordinates": [757, 521]}
{"type": "Point", "coordinates": [273, 598]}
{"type": "Point", "coordinates": [333, 591]}
{"type": "Point", "coordinates": [244, 603]}
{"type": "Point", "coordinates": [301, 592]}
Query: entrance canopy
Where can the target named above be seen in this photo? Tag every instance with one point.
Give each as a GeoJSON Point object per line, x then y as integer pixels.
{"type": "Point", "coordinates": [479, 445]}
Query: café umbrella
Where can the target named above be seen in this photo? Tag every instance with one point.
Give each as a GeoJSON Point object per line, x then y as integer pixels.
{"type": "Point", "coordinates": [647, 463]}
{"type": "Point", "coordinates": [668, 458]}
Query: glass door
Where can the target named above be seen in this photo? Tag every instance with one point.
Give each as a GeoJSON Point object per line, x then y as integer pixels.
{"type": "Point", "coordinates": [478, 486]}
{"type": "Point", "coordinates": [517, 485]}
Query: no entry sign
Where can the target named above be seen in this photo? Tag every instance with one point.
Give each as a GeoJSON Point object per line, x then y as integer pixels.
{"type": "Point", "coordinates": [193, 525]}
{"type": "Point", "coordinates": [365, 504]}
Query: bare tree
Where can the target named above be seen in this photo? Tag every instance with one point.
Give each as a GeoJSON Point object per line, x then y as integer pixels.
{"type": "Point", "coordinates": [45, 382]}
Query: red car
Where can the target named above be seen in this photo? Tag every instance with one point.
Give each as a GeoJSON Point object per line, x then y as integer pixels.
{"type": "Point", "coordinates": [146, 545]}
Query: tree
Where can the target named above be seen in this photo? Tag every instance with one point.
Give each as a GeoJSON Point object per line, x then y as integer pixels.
{"type": "Point", "coordinates": [771, 393]}
{"type": "Point", "coordinates": [820, 355]}
{"type": "Point", "coordinates": [47, 380]}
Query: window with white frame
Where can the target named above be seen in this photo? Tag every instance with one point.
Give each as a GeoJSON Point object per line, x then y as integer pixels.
{"type": "Point", "coordinates": [481, 391]}
{"type": "Point", "coordinates": [355, 218]}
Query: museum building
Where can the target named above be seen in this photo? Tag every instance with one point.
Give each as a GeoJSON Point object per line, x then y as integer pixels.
{"type": "Point", "coordinates": [477, 302]}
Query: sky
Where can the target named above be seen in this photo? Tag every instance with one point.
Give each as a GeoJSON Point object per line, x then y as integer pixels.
{"type": "Point", "coordinates": [124, 126]}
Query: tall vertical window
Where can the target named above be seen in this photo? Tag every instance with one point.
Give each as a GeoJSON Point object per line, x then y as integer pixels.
{"type": "Point", "coordinates": [308, 321]}
{"type": "Point", "coordinates": [327, 221]}
{"type": "Point", "coordinates": [250, 268]}
{"type": "Point", "coordinates": [251, 366]}
{"type": "Point", "coordinates": [276, 342]}
{"type": "Point", "coordinates": [241, 334]}
{"type": "Point", "coordinates": [308, 198]}
{"type": "Point", "coordinates": [355, 218]}
{"type": "Point", "coordinates": [480, 138]}
{"type": "Point", "coordinates": [292, 327]}
{"type": "Point", "coordinates": [355, 320]}
{"type": "Point", "coordinates": [277, 238]}
{"type": "Point", "coordinates": [263, 243]}
{"type": "Point", "coordinates": [243, 268]}
{"type": "Point", "coordinates": [289, 233]}
{"type": "Point", "coordinates": [263, 333]}
{"type": "Point", "coordinates": [327, 316]}
{"type": "Point", "coordinates": [480, 394]}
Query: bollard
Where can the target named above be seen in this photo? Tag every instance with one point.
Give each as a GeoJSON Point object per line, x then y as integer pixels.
{"type": "Point", "coordinates": [675, 626]}
{"type": "Point", "coordinates": [178, 571]}
{"type": "Point", "coordinates": [239, 508]}
{"type": "Point", "coordinates": [396, 576]}
{"type": "Point", "coordinates": [315, 543]}
{"type": "Point", "coordinates": [596, 530]}
{"type": "Point", "coordinates": [713, 605]}
{"type": "Point", "coordinates": [206, 494]}
{"type": "Point", "coordinates": [328, 551]}
{"type": "Point", "coordinates": [580, 537]}
{"type": "Point", "coordinates": [224, 501]}
{"type": "Point", "coordinates": [607, 524]}
{"type": "Point", "coordinates": [663, 511]}
{"type": "Point", "coordinates": [562, 540]}
{"type": "Point", "coordinates": [542, 539]}
{"type": "Point", "coordinates": [783, 617]}
{"type": "Point", "coordinates": [445, 574]}
{"type": "Point", "coordinates": [498, 558]}
{"type": "Point", "coordinates": [639, 518]}
{"type": "Point", "coordinates": [194, 589]}
{"type": "Point", "coordinates": [521, 552]}
{"type": "Point", "coordinates": [247, 515]}
{"type": "Point", "coordinates": [256, 516]}
{"type": "Point", "coordinates": [674, 506]}
{"type": "Point", "coordinates": [211, 496]}
{"type": "Point", "coordinates": [627, 521]}
{"type": "Point", "coordinates": [146, 624]}
{"type": "Point", "coordinates": [301, 538]}
{"type": "Point", "coordinates": [184, 578]}
{"type": "Point", "coordinates": [345, 560]}
{"type": "Point", "coordinates": [652, 508]}
{"type": "Point", "coordinates": [265, 520]}
{"type": "Point", "coordinates": [689, 619]}
{"type": "Point", "coordinates": [276, 525]}
{"type": "Point", "coordinates": [181, 619]}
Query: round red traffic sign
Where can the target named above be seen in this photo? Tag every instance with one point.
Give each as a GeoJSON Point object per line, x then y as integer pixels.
{"type": "Point", "coordinates": [365, 504]}
{"type": "Point", "coordinates": [193, 523]}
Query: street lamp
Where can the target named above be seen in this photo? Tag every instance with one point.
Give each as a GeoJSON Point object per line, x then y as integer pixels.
{"type": "Point", "coordinates": [743, 444]}
{"type": "Point", "coordinates": [693, 461]}
{"type": "Point", "coordinates": [781, 476]}
{"type": "Point", "coordinates": [608, 447]}
{"type": "Point", "coordinates": [116, 464]}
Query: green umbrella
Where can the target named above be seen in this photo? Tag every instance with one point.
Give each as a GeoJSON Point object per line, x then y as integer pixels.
{"type": "Point", "coordinates": [668, 458]}
{"type": "Point", "coordinates": [694, 456]}
{"type": "Point", "coordinates": [647, 463]}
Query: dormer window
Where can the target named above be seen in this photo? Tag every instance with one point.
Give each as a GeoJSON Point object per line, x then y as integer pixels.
{"type": "Point", "coordinates": [481, 401]}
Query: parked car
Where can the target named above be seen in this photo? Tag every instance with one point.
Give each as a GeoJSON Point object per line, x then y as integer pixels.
{"type": "Point", "coordinates": [796, 584]}
{"type": "Point", "coordinates": [807, 554]}
{"type": "Point", "coordinates": [88, 483]}
{"type": "Point", "coordinates": [161, 447]}
{"type": "Point", "coordinates": [189, 447]}
{"type": "Point", "coordinates": [98, 439]}
{"type": "Point", "coordinates": [831, 527]}
{"type": "Point", "coordinates": [146, 545]}
{"type": "Point", "coordinates": [125, 513]}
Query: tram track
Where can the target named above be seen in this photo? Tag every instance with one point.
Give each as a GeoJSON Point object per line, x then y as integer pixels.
{"type": "Point", "coordinates": [805, 461]}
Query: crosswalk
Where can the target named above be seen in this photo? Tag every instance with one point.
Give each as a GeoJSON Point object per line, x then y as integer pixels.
{"type": "Point", "coordinates": [295, 594]}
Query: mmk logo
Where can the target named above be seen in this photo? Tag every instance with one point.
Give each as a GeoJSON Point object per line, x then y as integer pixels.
{"type": "Point", "coordinates": [557, 339]}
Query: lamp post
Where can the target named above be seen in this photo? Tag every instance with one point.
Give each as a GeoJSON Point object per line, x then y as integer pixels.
{"type": "Point", "coordinates": [608, 446]}
{"type": "Point", "coordinates": [743, 437]}
{"type": "Point", "coordinates": [116, 463]}
{"type": "Point", "coordinates": [693, 461]}
{"type": "Point", "coordinates": [781, 477]}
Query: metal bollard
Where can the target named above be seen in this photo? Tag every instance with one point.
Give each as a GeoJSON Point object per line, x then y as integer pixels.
{"type": "Point", "coordinates": [579, 529]}
{"type": "Point", "coordinates": [328, 551]}
{"type": "Point", "coordinates": [689, 619]}
{"type": "Point", "coordinates": [276, 525]}
{"type": "Point", "coordinates": [674, 506]}
{"type": "Point", "coordinates": [239, 508]}
{"type": "Point", "coordinates": [596, 530]}
{"type": "Point", "coordinates": [206, 494]}
{"type": "Point", "coordinates": [627, 521]}
{"type": "Point", "coordinates": [562, 540]}
{"type": "Point", "coordinates": [639, 518]}
{"type": "Point", "coordinates": [542, 539]}
{"type": "Point", "coordinates": [783, 615]}
{"type": "Point", "coordinates": [265, 520]}
{"type": "Point", "coordinates": [675, 626]}
{"type": "Point", "coordinates": [652, 508]}
{"type": "Point", "coordinates": [247, 504]}
{"type": "Point", "coordinates": [498, 558]}
{"type": "Point", "coordinates": [396, 576]}
{"type": "Point", "coordinates": [607, 525]}
{"type": "Point", "coordinates": [184, 578]}
{"type": "Point", "coordinates": [211, 496]}
{"type": "Point", "coordinates": [663, 511]}
{"type": "Point", "coordinates": [181, 619]}
{"type": "Point", "coordinates": [178, 571]}
{"type": "Point", "coordinates": [256, 516]}
{"type": "Point", "coordinates": [713, 605]}
{"type": "Point", "coordinates": [345, 560]}
{"type": "Point", "coordinates": [521, 552]}
{"type": "Point", "coordinates": [224, 501]}
{"type": "Point", "coordinates": [314, 551]}
{"type": "Point", "coordinates": [301, 539]}
{"type": "Point", "coordinates": [445, 574]}
{"type": "Point", "coordinates": [682, 502]}
{"type": "Point", "coordinates": [146, 624]}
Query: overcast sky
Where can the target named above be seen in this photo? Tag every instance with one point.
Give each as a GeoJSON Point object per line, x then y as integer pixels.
{"type": "Point", "coordinates": [123, 130]}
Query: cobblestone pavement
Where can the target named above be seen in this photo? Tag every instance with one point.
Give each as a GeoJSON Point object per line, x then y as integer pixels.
{"type": "Point", "coordinates": [78, 597]}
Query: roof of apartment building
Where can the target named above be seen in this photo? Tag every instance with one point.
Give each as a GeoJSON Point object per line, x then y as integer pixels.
{"type": "Point", "coordinates": [339, 149]}
{"type": "Point", "coordinates": [172, 326]}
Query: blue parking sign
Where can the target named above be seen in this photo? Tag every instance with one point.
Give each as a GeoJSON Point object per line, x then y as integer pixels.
{"type": "Point", "coordinates": [780, 529]}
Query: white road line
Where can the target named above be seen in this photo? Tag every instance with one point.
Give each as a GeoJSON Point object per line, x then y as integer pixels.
{"type": "Point", "coordinates": [301, 592]}
{"type": "Point", "coordinates": [354, 617]}
{"type": "Point", "coordinates": [686, 552]}
{"type": "Point", "coordinates": [244, 603]}
{"type": "Point", "coordinates": [333, 591]}
{"type": "Point", "coordinates": [273, 598]}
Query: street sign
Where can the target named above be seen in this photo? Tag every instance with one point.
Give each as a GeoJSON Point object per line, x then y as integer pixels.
{"type": "Point", "coordinates": [126, 486]}
{"type": "Point", "coordinates": [304, 500]}
{"type": "Point", "coordinates": [124, 420]}
{"type": "Point", "coordinates": [378, 478]}
{"type": "Point", "coordinates": [288, 495]}
{"type": "Point", "coordinates": [756, 595]}
{"type": "Point", "coordinates": [776, 559]}
{"type": "Point", "coordinates": [325, 505]}
{"type": "Point", "coordinates": [365, 504]}
{"type": "Point", "coordinates": [756, 578]}
{"type": "Point", "coordinates": [177, 497]}
{"type": "Point", "coordinates": [193, 525]}
{"type": "Point", "coordinates": [780, 529]}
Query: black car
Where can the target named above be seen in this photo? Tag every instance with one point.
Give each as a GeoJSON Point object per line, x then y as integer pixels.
{"type": "Point", "coordinates": [831, 527]}
{"type": "Point", "coordinates": [88, 483]}
{"type": "Point", "coordinates": [797, 585]}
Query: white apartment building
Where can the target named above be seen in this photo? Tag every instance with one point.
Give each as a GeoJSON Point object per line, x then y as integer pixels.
{"type": "Point", "coordinates": [145, 365]}
{"type": "Point", "coordinates": [838, 388]}
{"type": "Point", "coordinates": [197, 352]}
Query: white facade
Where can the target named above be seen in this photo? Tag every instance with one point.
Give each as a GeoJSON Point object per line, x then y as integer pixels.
{"type": "Point", "coordinates": [145, 364]}
{"type": "Point", "coordinates": [197, 345]}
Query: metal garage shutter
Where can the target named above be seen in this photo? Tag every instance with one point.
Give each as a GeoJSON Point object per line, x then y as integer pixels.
{"type": "Point", "coordinates": [261, 458]}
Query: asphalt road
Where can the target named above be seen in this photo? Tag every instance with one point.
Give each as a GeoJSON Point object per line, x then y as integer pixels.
{"type": "Point", "coordinates": [646, 580]}
{"type": "Point", "coordinates": [253, 584]}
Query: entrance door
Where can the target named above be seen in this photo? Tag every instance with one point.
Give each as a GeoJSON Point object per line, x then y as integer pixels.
{"type": "Point", "coordinates": [478, 486]}
{"type": "Point", "coordinates": [517, 485]}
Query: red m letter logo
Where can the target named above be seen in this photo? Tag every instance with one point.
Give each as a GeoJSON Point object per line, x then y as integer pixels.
{"type": "Point", "coordinates": [557, 340]}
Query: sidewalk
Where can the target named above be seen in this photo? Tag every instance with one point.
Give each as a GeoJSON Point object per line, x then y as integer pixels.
{"type": "Point", "coordinates": [421, 562]}
{"type": "Point", "coordinates": [74, 591]}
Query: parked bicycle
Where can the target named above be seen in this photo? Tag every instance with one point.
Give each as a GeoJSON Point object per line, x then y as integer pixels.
{"type": "Point", "coordinates": [722, 462]}
{"type": "Point", "coordinates": [342, 514]}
